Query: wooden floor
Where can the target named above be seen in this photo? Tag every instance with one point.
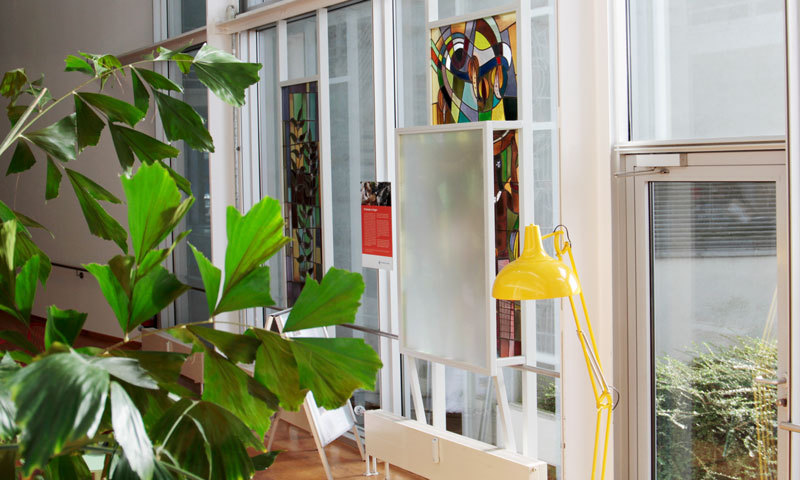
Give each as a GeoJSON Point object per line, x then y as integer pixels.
{"type": "Point", "coordinates": [300, 461]}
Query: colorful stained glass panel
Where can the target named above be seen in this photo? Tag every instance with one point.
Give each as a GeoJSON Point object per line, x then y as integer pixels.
{"type": "Point", "coordinates": [506, 234]}
{"type": "Point", "coordinates": [474, 71]}
{"type": "Point", "coordinates": [301, 183]}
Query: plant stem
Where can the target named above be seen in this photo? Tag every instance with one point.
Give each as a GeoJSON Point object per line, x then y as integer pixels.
{"type": "Point", "coordinates": [18, 127]}
{"type": "Point", "coordinates": [147, 334]}
{"type": "Point", "coordinates": [181, 471]}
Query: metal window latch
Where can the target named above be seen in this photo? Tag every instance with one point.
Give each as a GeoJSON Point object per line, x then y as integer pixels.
{"type": "Point", "coordinates": [771, 381]}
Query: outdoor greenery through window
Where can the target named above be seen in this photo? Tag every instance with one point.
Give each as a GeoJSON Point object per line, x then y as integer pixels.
{"type": "Point", "coordinates": [714, 274]}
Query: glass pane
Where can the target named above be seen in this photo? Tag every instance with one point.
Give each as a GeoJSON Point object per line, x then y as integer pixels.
{"type": "Point", "coordinates": [412, 37]}
{"type": "Point", "coordinates": [269, 120]}
{"type": "Point", "coordinates": [714, 278]}
{"type": "Point", "coordinates": [452, 8]}
{"type": "Point", "coordinates": [706, 69]}
{"type": "Point", "coordinates": [301, 38]}
{"type": "Point", "coordinates": [441, 245]}
{"type": "Point", "coordinates": [370, 400]}
{"type": "Point", "coordinates": [352, 141]}
{"type": "Point", "coordinates": [193, 165]}
{"type": "Point", "coordinates": [249, 4]}
{"type": "Point", "coordinates": [185, 15]}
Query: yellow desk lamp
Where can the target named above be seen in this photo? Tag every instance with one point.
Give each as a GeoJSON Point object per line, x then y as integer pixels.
{"type": "Point", "coordinates": [536, 276]}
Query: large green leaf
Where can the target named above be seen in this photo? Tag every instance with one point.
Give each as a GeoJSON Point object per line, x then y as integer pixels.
{"type": "Point", "coordinates": [207, 440]}
{"type": "Point", "coordinates": [124, 151]}
{"type": "Point", "coordinates": [25, 249]}
{"type": "Point", "coordinates": [77, 64]}
{"type": "Point", "coordinates": [58, 139]}
{"type": "Point", "coordinates": [152, 293]}
{"type": "Point", "coordinates": [113, 290]}
{"type": "Point", "coordinates": [95, 190]}
{"type": "Point", "coordinates": [265, 460]}
{"type": "Point", "coordinates": [62, 326]}
{"type": "Point", "coordinates": [8, 411]}
{"type": "Point", "coordinates": [141, 97]}
{"type": "Point", "coordinates": [59, 399]}
{"type": "Point", "coordinates": [116, 110]}
{"type": "Point", "coordinates": [25, 291]}
{"type": "Point", "coordinates": [224, 74]}
{"type": "Point", "coordinates": [332, 302]}
{"type": "Point", "coordinates": [22, 159]}
{"type": "Point", "coordinates": [156, 257]}
{"type": "Point", "coordinates": [333, 367]}
{"type": "Point", "coordinates": [53, 180]}
{"type": "Point", "coordinates": [182, 122]}
{"type": "Point", "coordinates": [163, 367]}
{"type": "Point", "coordinates": [130, 433]}
{"type": "Point", "coordinates": [154, 207]}
{"type": "Point", "coordinates": [156, 80]}
{"type": "Point", "coordinates": [99, 221]}
{"type": "Point", "coordinates": [252, 239]}
{"type": "Point", "coordinates": [184, 184]}
{"type": "Point", "coordinates": [183, 60]}
{"type": "Point", "coordinates": [12, 83]}
{"type": "Point", "coordinates": [20, 340]}
{"type": "Point", "coordinates": [251, 291]}
{"type": "Point", "coordinates": [67, 467]}
{"type": "Point", "coordinates": [211, 276]}
{"type": "Point", "coordinates": [31, 223]}
{"type": "Point", "coordinates": [276, 369]}
{"type": "Point", "coordinates": [147, 148]}
{"type": "Point", "coordinates": [126, 369]}
{"type": "Point", "coordinates": [89, 124]}
{"type": "Point", "coordinates": [228, 386]}
{"type": "Point", "coordinates": [238, 348]}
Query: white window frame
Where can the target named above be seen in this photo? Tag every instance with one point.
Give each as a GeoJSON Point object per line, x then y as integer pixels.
{"type": "Point", "coordinates": [631, 428]}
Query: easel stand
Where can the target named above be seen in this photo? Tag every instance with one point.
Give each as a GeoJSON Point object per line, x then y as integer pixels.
{"type": "Point", "coordinates": [324, 425]}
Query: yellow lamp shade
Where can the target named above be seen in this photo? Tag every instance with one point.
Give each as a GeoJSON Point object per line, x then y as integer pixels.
{"type": "Point", "coordinates": [535, 275]}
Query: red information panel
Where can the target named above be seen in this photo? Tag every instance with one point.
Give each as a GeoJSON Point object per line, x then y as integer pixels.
{"type": "Point", "coordinates": [376, 225]}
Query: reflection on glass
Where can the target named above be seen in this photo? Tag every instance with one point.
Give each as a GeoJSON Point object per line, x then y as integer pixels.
{"type": "Point", "coordinates": [193, 165]}
{"type": "Point", "coordinates": [352, 106]}
{"type": "Point", "coordinates": [412, 68]}
{"type": "Point", "coordinates": [269, 118]}
{"type": "Point", "coordinates": [706, 69]}
{"type": "Point", "coordinates": [301, 38]}
{"type": "Point", "coordinates": [185, 15]}
{"type": "Point", "coordinates": [714, 278]}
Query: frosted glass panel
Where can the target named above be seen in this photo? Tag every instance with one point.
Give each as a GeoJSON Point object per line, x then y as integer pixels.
{"type": "Point", "coordinates": [444, 302]}
{"type": "Point", "coordinates": [707, 69]}
{"type": "Point", "coordinates": [301, 39]}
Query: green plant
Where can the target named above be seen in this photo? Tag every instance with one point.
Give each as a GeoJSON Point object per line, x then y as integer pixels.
{"type": "Point", "coordinates": [60, 402]}
{"type": "Point", "coordinates": [707, 416]}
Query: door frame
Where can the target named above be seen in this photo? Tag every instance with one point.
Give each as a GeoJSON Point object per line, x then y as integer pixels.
{"type": "Point", "coordinates": [706, 166]}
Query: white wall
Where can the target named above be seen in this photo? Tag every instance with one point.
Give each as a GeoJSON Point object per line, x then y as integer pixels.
{"type": "Point", "coordinates": [586, 209]}
{"type": "Point", "coordinates": [38, 35]}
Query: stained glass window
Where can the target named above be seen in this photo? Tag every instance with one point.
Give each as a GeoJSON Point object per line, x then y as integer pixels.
{"type": "Point", "coordinates": [301, 180]}
{"type": "Point", "coordinates": [506, 234]}
{"type": "Point", "coordinates": [473, 68]}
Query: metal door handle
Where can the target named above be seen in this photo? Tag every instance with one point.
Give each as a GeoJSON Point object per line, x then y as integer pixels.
{"type": "Point", "coordinates": [770, 381]}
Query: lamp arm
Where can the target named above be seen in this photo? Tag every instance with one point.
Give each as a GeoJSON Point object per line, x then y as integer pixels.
{"type": "Point", "coordinates": [593, 362]}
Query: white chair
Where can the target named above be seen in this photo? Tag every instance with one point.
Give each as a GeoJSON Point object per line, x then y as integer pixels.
{"type": "Point", "coordinates": [324, 425]}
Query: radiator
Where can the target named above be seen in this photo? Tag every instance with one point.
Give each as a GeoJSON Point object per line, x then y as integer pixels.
{"type": "Point", "coordinates": [441, 455]}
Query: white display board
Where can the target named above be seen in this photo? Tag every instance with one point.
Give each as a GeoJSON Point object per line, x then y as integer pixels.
{"type": "Point", "coordinates": [445, 244]}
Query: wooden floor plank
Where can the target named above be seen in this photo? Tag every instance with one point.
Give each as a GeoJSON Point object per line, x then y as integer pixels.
{"type": "Point", "coordinates": [300, 461]}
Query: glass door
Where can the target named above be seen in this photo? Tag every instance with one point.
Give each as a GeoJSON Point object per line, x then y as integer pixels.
{"type": "Point", "coordinates": [711, 328]}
